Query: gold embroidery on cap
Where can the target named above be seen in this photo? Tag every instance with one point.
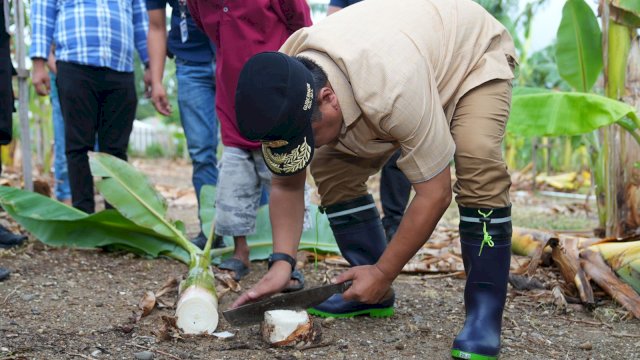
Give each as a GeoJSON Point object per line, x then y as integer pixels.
{"type": "Point", "coordinates": [275, 143]}
{"type": "Point", "coordinates": [289, 162]}
{"type": "Point", "coordinates": [309, 99]}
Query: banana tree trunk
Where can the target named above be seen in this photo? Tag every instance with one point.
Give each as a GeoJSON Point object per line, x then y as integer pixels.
{"type": "Point", "coordinates": [616, 43]}
{"type": "Point", "coordinates": [629, 191]}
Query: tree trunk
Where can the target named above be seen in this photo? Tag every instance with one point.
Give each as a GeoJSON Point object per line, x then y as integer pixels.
{"type": "Point", "coordinates": [618, 163]}
{"type": "Point", "coordinates": [628, 191]}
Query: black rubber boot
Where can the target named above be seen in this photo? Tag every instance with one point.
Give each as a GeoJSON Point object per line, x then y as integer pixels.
{"type": "Point", "coordinates": [4, 274]}
{"type": "Point", "coordinates": [9, 239]}
{"type": "Point", "coordinates": [358, 231]}
{"type": "Point", "coordinates": [485, 238]}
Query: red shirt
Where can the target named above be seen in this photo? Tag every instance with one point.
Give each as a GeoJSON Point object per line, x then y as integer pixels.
{"type": "Point", "coordinates": [241, 29]}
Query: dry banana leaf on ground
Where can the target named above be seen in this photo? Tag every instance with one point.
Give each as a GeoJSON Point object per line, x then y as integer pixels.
{"type": "Point", "coordinates": [567, 256]}
{"type": "Point", "coordinates": [527, 242]}
{"type": "Point", "coordinates": [441, 254]}
{"type": "Point", "coordinates": [601, 274]}
{"type": "Point", "coordinates": [624, 258]}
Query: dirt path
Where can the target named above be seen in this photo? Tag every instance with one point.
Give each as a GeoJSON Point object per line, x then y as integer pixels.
{"type": "Point", "coordinates": [72, 304]}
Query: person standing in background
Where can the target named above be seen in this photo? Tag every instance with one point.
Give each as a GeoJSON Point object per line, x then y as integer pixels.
{"type": "Point", "coordinates": [395, 188]}
{"type": "Point", "coordinates": [240, 30]}
{"type": "Point", "coordinates": [95, 77]}
{"type": "Point", "coordinates": [194, 56]}
{"type": "Point", "coordinates": [7, 238]}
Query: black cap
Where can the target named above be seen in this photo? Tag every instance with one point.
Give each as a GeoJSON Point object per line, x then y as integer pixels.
{"type": "Point", "coordinates": [274, 102]}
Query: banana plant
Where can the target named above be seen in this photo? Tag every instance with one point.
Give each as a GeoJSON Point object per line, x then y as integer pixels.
{"type": "Point", "coordinates": [139, 224]}
{"type": "Point", "coordinates": [580, 63]}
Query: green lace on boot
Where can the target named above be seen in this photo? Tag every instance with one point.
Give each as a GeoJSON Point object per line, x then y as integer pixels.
{"type": "Point", "coordinates": [486, 238]}
{"type": "Point", "coordinates": [459, 354]}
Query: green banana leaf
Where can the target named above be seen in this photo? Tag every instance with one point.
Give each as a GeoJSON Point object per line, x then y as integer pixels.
{"type": "Point", "coordinates": [318, 238]}
{"type": "Point", "coordinates": [625, 12]}
{"type": "Point", "coordinates": [207, 207]}
{"type": "Point", "coordinates": [56, 224]}
{"type": "Point", "coordinates": [565, 113]}
{"type": "Point", "coordinates": [578, 47]}
{"type": "Point", "coordinates": [132, 194]}
{"type": "Point", "coordinates": [628, 5]}
{"type": "Point", "coordinates": [625, 18]}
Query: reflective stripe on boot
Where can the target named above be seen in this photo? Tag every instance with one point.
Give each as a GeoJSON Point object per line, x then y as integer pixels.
{"type": "Point", "coordinates": [359, 234]}
{"type": "Point", "coordinates": [485, 239]}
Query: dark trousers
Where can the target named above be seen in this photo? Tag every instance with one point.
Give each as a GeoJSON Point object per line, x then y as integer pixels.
{"type": "Point", "coordinates": [6, 89]}
{"type": "Point", "coordinates": [394, 193]}
{"type": "Point", "coordinates": [94, 101]}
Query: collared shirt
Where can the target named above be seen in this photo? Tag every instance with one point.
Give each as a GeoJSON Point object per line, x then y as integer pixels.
{"type": "Point", "coordinates": [241, 29]}
{"type": "Point", "coordinates": [99, 33]}
{"type": "Point", "coordinates": [398, 84]}
{"type": "Point", "coordinates": [197, 47]}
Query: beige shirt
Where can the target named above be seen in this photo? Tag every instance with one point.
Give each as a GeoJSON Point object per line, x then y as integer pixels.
{"type": "Point", "coordinates": [399, 68]}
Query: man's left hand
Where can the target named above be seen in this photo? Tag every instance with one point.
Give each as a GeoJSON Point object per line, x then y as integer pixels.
{"type": "Point", "coordinates": [370, 284]}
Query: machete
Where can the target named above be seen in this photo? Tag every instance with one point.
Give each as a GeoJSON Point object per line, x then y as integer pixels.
{"type": "Point", "coordinates": [253, 313]}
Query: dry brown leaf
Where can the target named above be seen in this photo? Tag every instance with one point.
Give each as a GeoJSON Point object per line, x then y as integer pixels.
{"type": "Point", "coordinates": [166, 296]}
{"type": "Point", "coordinates": [221, 291]}
{"type": "Point", "coordinates": [168, 330]}
{"type": "Point", "coordinates": [227, 280]}
{"type": "Point", "coordinates": [336, 260]}
{"type": "Point", "coordinates": [558, 299]}
{"type": "Point", "coordinates": [565, 254]}
{"type": "Point", "coordinates": [147, 303]}
{"type": "Point", "coordinates": [584, 289]}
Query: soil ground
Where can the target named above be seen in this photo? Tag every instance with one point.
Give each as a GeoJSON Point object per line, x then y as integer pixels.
{"type": "Point", "coordinates": [73, 304]}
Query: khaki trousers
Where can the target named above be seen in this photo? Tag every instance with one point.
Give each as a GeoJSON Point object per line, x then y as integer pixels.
{"type": "Point", "coordinates": [477, 126]}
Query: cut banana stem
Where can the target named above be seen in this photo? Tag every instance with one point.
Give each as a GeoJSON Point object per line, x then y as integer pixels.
{"type": "Point", "coordinates": [288, 327]}
{"type": "Point", "coordinates": [197, 308]}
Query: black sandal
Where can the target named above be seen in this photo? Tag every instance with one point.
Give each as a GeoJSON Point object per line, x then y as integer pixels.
{"type": "Point", "coordinates": [239, 269]}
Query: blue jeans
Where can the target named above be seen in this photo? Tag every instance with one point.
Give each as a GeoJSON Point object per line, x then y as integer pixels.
{"type": "Point", "coordinates": [196, 100]}
{"type": "Point", "coordinates": [60, 172]}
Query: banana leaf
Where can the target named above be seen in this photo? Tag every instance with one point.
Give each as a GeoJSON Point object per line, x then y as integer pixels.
{"type": "Point", "coordinates": [131, 193]}
{"type": "Point", "coordinates": [56, 224]}
{"type": "Point", "coordinates": [565, 113]}
{"type": "Point", "coordinates": [318, 238]}
{"type": "Point", "coordinates": [147, 232]}
{"type": "Point", "coordinates": [625, 12]}
{"type": "Point", "coordinates": [578, 47]}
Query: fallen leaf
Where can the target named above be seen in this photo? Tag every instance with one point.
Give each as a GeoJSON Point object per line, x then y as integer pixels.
{"type": "Point", "coordinates": [147, 303]}
{"type": "Point", "coordinates": [168, 293]}
{"type": "Point", "coordinates": [225, 279]}
{"type": "Point", "coordinates": [168, 330]}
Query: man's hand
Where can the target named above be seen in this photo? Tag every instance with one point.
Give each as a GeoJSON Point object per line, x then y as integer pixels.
{"type": "Point", "coordinates": [273, 282]}
{"type": "Point", "coordinates": [160, 100]}
{"type": "Point", "coordinates": [370, 284]}
{"type": "Point", "coordinates": [40, 77]}
{"type": "Point", "coordinates": [147, 83]}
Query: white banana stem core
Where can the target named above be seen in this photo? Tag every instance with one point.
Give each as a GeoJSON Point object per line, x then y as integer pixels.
{"type": "Point", "coordinates": [197, 311]}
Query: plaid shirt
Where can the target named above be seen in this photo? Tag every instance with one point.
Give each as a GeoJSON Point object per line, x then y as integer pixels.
{"type": "Point", "coordinates": [97, 33]}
